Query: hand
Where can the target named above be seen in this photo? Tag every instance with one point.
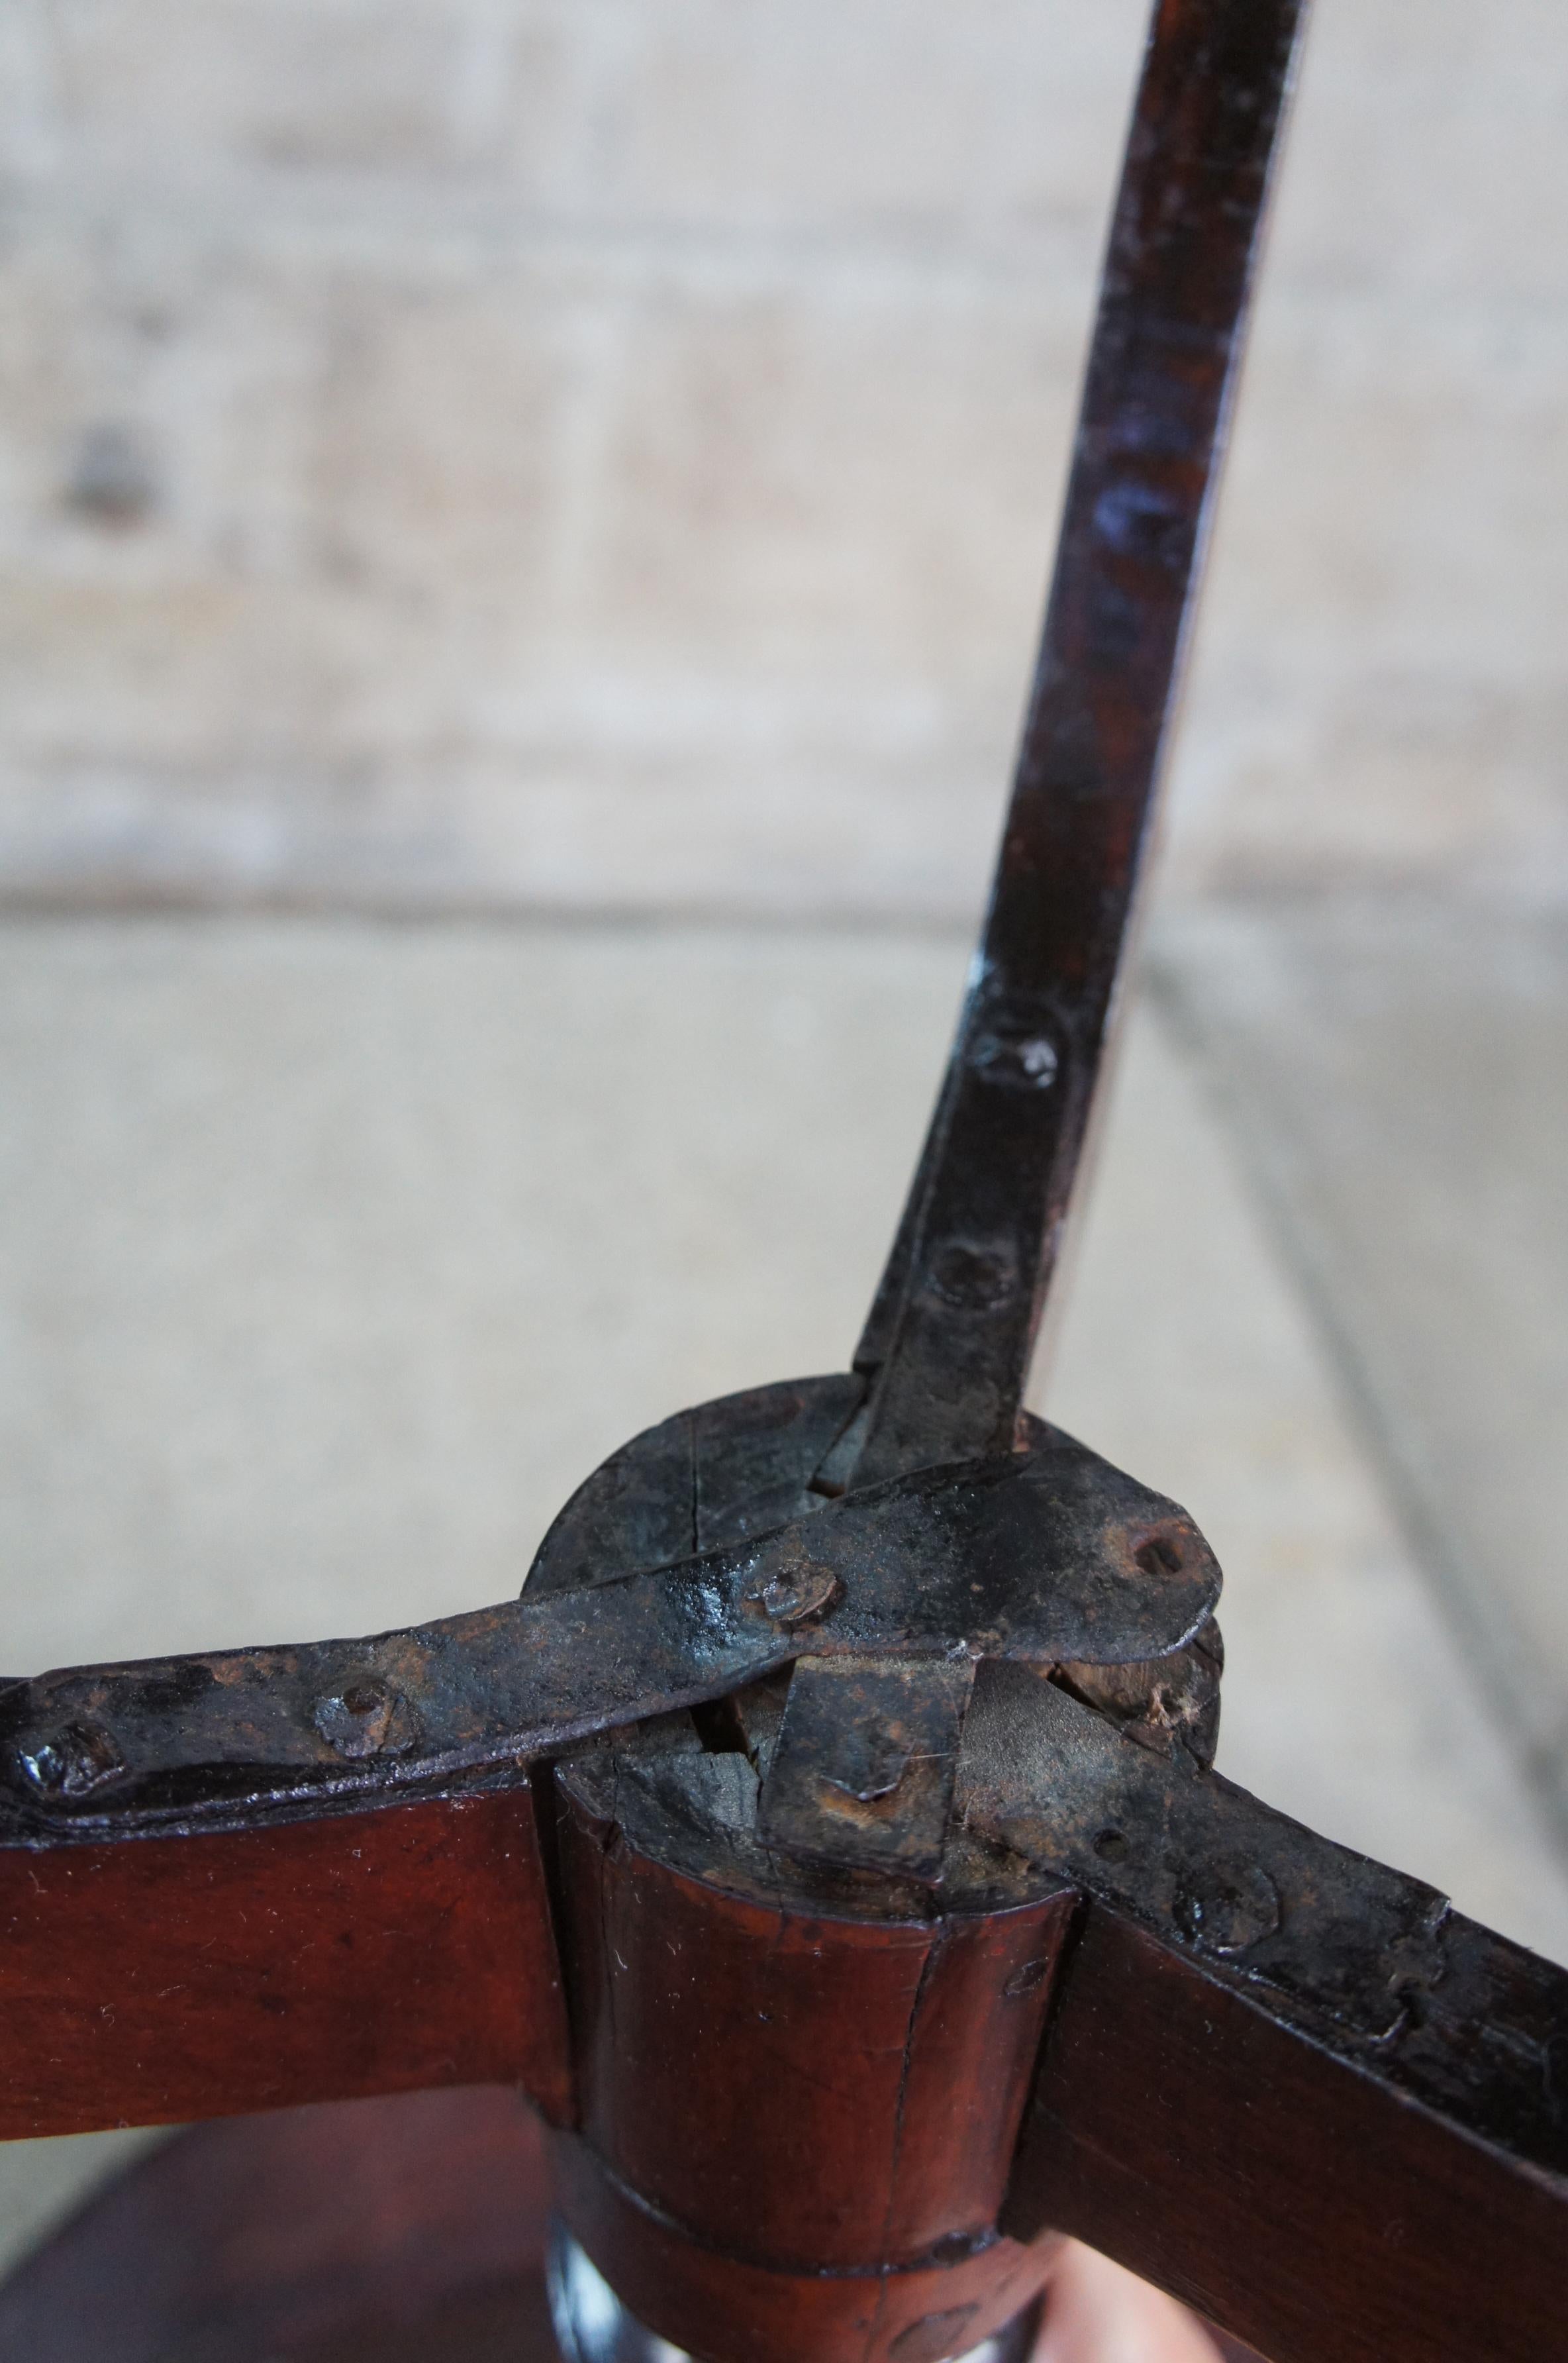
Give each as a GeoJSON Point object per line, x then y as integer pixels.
{"type": "Point", "coordinates": [1098, 2313]}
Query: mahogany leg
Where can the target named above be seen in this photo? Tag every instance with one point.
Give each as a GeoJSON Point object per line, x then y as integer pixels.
{"type": "Point", "coordinates": [409, 2230]}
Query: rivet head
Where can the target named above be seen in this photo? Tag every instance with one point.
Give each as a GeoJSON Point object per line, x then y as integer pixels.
{"type": "Point", "coordinates": [1014, 1046]}
{"type": "Point", "coordinates": [1228, 1906]}
{"type": "Point", "coordinates": [1160, 1553]}
{"type": "Point", "coordinates": [795, 1592]}
{"type": "Point", "coordinates": [366, 1718]}
{"type": "Point", "coordinates": [72, 1761]}
{"type": "Point", "coordinates": [973, 1276]}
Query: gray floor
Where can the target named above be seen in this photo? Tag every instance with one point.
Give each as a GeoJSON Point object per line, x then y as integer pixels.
{"type": "Point", "coordinates": [1395, 1073]}
{"type": "Point", "coordinates": [337, 1253]}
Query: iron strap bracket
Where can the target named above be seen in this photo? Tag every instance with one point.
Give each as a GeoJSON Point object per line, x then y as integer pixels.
{"type": "Point", "coordinates": [877, 1656]}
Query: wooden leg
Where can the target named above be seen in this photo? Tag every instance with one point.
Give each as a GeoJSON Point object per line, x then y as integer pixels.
{"type": "Point", "coordinates": [409, 2230]}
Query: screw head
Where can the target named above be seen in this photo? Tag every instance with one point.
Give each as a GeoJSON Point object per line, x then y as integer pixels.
{"type": "Point", "coordinates": [795, 1592]}
{"type": "Point", "coordinates": [366, 1718]}
{"type": "Point", "coordinates": [72, 1761]}
{"type": "Point", "coordinates": [1016, 1045]}
{"type": "Point", "coordinates": [1228, 1906]}
{"type": "Point", "coordinates": [974, 1277]}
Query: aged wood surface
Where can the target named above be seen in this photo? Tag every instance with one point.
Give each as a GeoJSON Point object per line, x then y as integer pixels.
{"type": "Point", "coordinates": [1298, 2202]}
{"type": "Point", "coordinates": [796, 2084]}
{"type": "Point", "coordinates": [866, 1994]}
{"type": "Point", "coordinates": [710, 2303]}
{"type": "Point", "coordinates": [160, 1979]}
{"type": "Point", "coordinates": [950, 1336]}
{"type": "Point", "coordinates": [796, 2123]}
{"type": "Point", "coordinates": [1275, 2070]}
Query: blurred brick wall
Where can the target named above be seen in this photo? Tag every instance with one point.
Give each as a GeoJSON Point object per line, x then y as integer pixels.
{"type": "Point", "coordinates": [606, 451]}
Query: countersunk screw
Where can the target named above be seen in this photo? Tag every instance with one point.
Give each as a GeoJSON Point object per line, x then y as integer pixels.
{"type": "Point", "coordinates": [795, 1592]}
{"type": "Point", "coordinates": [1159, 1554]}
{"type": "Point", "coordinates": [1014, 1047]}
{"type": "Point", "coordinates": [1228, 1905]}
{"type": "Point", "coordinates": [72, 1761]}
{"type": "Point", "coordinates": [972, 1277]}
{"type": "Point", "coordinates": [366, 1718]}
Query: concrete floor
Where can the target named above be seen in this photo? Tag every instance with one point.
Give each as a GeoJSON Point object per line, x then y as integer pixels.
{"type": "Point", "coordinates": [605, 458]}
{"type": "Point", "coordinates": [608, 454]}
{"type": "Point", "coordinates": [1410, 1148]}
{"type": "Point", "coordinates": [337, 1252]}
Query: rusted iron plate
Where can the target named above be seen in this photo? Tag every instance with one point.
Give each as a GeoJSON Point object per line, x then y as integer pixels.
{"type": "Point", "coordinates": [1047, 1554]}
{"type": "Point", "coordinates": [865, 1761]}
{"type": "Point", "coordinates": [1269, 2048]}
{"type": "Point", "coordinates": [951, 1332]}
{"type": "Point", "coordinates": [1294, 2195]}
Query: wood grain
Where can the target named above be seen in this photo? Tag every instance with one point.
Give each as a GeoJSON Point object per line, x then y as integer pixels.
{"type": "Point", "coordinates": [149, 1981]}
{"type": "Point", "coordinates": [710, 2303]}
{"type": "Point", "coordinates": [1303, 2205]}
{"type": "Point", "coordinates": [802, 2087]}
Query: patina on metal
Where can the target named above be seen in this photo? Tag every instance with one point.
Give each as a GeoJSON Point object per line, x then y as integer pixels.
{"type": "Point", "coordinates": [1044, 1554]}
{"type": "Point", "coordinates": [950, 1337]}
{"type": "Point", "coordinates": [828, 1841]}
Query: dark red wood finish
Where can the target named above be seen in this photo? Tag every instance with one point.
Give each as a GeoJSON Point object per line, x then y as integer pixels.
{"type": "Point", "coordinates": [155, 1980]}
{"type": "Point", "coordinates": [1183, 2130]}
{"type": "Point", "coordinates": [800, 2109]}
{"type": "Point", "coordinates": [787, 2110]}
{"type": "Point", "coordinates": [950, 1334]}
{"type": "Point", "coordinates": [713, 2303]}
